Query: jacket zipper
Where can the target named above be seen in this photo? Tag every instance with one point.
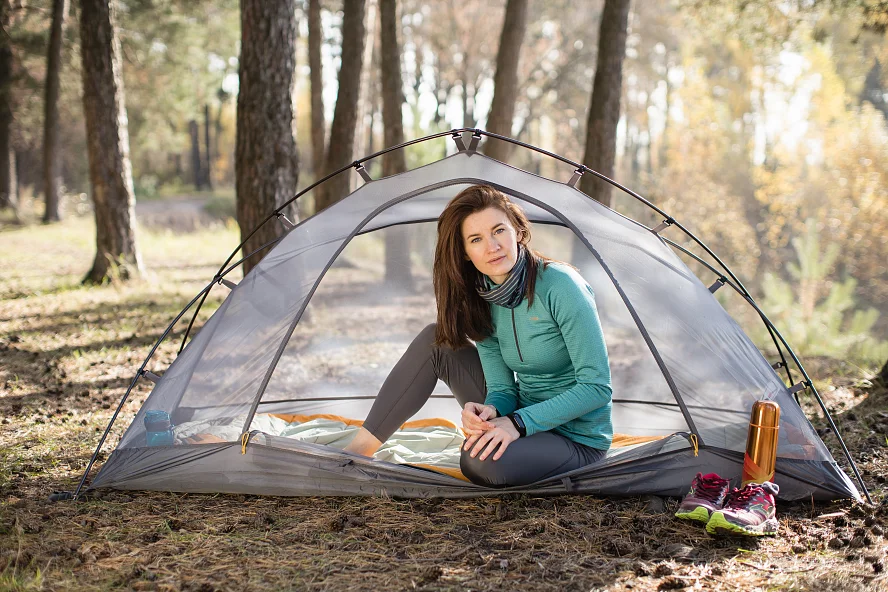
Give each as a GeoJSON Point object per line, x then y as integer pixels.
{"type": "Point", "coordinates": [515, 332]}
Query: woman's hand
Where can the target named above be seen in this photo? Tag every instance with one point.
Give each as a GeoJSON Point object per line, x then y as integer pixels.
{"type": "Point", "coordinates": [475, 416]}
{"type": "Point", "coordinates": [502, 434]}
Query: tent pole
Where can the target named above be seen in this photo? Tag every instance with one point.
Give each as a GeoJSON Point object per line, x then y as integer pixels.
{"type": "Point", "coordinates": [742, 295]}
{"type": "Point", "coordinates": [169, 328]}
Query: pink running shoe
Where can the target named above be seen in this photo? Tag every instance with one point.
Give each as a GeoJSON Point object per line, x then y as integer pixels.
{"type": "Point", "coordinates": [707, 495]}
{"type": "Point", "coordinates": [749, 511]}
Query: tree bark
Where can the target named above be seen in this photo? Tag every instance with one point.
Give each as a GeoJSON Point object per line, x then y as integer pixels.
{"type": "Point", "coordinates": [51, 178]}
{"type": "Point", "coordinates": [196, 168]}
{"type": "Point", "coordinates": [397, 238]}
{"type": "Point", "coordinates": [882, 376]}
{"type": "Point", "coordinates": [604, 110]}
{"type": "Point", "coordinates": [207, 149]}
{"type": "Point", "coordinates": [345, 115]}
{"type": "Point", "coordinates": [315, 40]}
{"type": "Point", "coordinates": [367, 95]}
{"type": "Point", "coordinates": [7, 175]}
{"type": "Point", "coordinates": [107, 136]}
{"type": "Point", "coordinates": [505, 81]}
{"type": "Point", "coordinates": [266, 158]}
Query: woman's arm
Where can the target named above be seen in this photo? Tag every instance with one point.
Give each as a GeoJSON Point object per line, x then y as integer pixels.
{"type": "Point", "coordinates": [572, 304]}
{"type": "Point", "coordinates": [502, 390]}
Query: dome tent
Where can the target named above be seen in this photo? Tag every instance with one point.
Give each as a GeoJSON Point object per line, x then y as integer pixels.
{"type": "Point", "coordinates": [310, 333]}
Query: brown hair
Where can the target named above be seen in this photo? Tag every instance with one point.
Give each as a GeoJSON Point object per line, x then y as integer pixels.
{"type": "Point", "coordinates": [462, 313]}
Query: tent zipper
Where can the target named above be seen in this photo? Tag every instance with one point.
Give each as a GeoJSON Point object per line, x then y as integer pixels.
{"type": "Point", "coordinates": [515, 333]}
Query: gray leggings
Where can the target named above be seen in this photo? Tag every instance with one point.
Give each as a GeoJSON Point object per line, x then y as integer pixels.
{"type": "Point", "coordinates": [409, 385]}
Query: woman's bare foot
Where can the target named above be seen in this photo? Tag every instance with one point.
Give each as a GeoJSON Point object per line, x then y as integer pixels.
{"type": "Point", "coordinates": [364, 443]}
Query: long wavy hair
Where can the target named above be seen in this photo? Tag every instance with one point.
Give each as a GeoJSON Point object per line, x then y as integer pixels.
{"type": "Point", "coordinates": [462, 313]}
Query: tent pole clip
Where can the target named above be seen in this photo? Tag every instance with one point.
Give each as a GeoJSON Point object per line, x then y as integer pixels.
{"type": "Point", "coordinates": [457, 138]}
{"type": "Point", "coordinates": [568, 484]}
{"type": "Point", "coordinates": [669, 221]}
{"type": "Point", "coordinates": [362, 171]}
{"type": "Point", "coordinates": [718, 284]}
{"type": "Point", "coordinates": [150, 375]}
{"type": "Point", "coordinates": [799, 386]}
{"type": "Point", "coordinates": [288, 225]}
{"type": "Point", "coordinates": [225, 282]}
{"type": "Point", "coordinates": [473, 145]}
{"type": "Point", "coordinates": [778, 365]}
{"type": "Point", "coordinates": [576, 176]}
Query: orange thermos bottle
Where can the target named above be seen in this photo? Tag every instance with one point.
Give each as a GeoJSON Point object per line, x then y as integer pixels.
{"type": "Point", "coordinates": [761, 443]}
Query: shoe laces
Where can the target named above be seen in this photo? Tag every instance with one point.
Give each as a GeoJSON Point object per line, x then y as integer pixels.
{"type": "Point", "coordinates": [710, 487]}
{"type": "Point", "coordinates": [745, 495]}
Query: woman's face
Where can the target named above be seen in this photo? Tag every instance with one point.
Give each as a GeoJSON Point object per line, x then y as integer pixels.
{"type": "Point", "coordinates": [491, 243]}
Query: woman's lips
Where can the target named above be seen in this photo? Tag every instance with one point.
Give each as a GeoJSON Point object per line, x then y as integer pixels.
{"type": "Point", "coordinates": [495, 261]}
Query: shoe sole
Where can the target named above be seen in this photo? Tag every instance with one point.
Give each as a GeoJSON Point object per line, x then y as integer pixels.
{"type": "Point", "coordinates": [719, 525]}
{"type": "Point", "coordinates": [698, 514]}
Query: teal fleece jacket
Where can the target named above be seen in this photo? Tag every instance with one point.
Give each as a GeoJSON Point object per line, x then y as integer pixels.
{"type": "Point", "coordinates": [556, 350]}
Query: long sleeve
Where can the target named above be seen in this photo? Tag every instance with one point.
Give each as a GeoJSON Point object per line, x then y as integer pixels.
{"type": "Point", "coordinates": [502, 390]}
{"type": "Point", "coordinates": [572, 305]}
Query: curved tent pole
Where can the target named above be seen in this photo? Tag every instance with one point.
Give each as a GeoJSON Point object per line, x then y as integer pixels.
{"type": "Point", "coordinates": [138, 375]}
{"type": "Point", "coordinates": [775, 334]}
{"type": "Point", "coordinates": [744, 296]}
{"type": "Point", "coordinates": [277, 211]}
{"type": "Point", "coordinates": [582, 169]}
{"type": "Point", "coordinates": [202, 295]}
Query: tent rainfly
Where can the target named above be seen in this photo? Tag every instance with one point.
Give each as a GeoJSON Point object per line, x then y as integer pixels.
{"type": "Point", "coordinates": [262, 399]}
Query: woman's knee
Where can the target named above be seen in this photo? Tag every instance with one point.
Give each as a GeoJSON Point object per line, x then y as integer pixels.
{"type": "Point", "coordinates": [488, 472]}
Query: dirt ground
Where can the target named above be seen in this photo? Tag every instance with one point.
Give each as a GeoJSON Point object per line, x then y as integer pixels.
{"type": "Point", "coordinates": [68, 353]}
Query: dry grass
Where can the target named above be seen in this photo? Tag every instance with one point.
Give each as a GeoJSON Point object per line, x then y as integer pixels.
{"type": "Point", "coordinates": [68, 354]}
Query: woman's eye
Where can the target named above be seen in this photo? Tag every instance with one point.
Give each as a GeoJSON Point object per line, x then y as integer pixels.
{"type": "Point", "coordinates": [499, 230]}
{"type": "Point", "coordinates": [475, 240]}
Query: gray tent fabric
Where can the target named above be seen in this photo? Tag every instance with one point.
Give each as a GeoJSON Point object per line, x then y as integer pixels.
{"type": "Point", "coordinates": [313, 330]}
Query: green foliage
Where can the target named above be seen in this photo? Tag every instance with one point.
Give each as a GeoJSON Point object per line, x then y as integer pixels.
{"type": "Point", "coordinates": [816, 316]}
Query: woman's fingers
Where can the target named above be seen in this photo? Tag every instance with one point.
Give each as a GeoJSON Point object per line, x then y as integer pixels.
{"type": "Point", "coordinates": [495, 441]}
{"type": "Point", "coordinates": [471, 440]}
{"type": "Point", "coordinates": [481, 443]}
{"type": "Point", "coordinates": [502, 448]}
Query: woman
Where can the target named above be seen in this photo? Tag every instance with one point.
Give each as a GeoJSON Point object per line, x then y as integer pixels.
{"type": "Point", "coordinates": [528, 316]}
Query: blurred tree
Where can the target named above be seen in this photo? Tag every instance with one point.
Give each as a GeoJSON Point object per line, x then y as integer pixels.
{"type": "Point", "coordinates": [882, 376]}
{"type": "Point", "coordinates": [505, 82]}
{"type": "Point", "coordinates": [397, 238]}
{"type": "Point", "coordinates": [266, 158]}
{"type": "Point", "coordinates": [197, 172]}
{"type": "Point", "coordinates": [315, 40]}
{"type": "Point", "coordinates": [8, 186]}
{"type": "Point", "coordinates": [604, 109]}
{"type": "Point", "coordinates": [51, 179]}
{"type": "Point", "coordinates": [340, 148]}
{"type": "Point", "coordinates": [108, 141]}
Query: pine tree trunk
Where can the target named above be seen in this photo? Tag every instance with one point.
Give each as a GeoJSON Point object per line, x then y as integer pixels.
{"type": "Point", "coordinates": [7, 175]}
{"type": "Point", "coordinates": [315, 40]}
{"type": "Point", "coordinates": [882, 376]}
{"type": "Point", "coordinates": [207, 150]}
{"type": "Point", "coordinates": [345, 115]}
{"type": "Point", "coordinates": [107, 137]}
{"type": "Point", "coordinates": [397, 238]}
{"type": "Point", "coordinates": [196, 168]}
{"type": "Point", "coordinates": [51, 179]}
{"type": "Point", "coordinates": [604, 110]}
{"type": "Point", "coordinates": [266, 159]}
{"type": "Point", "coordinates": [505, 82]}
